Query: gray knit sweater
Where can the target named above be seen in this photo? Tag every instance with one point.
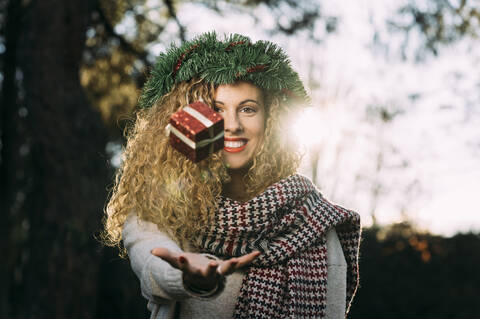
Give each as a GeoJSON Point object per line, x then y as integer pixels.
{"type": "Point", "coordinates": [163, 287]}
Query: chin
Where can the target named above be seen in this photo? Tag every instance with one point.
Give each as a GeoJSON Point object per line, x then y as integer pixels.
{"type": "Point", "coordinates": [237, 163]}
{"type": "Point", "coordinates": [237, 166]}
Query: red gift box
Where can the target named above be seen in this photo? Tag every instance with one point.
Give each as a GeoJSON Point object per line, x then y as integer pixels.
{"type": "Point", "coordinates": [196, 131]}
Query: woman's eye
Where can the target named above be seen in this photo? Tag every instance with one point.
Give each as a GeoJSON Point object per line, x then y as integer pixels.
{"type": "Point", "coordinates": [248, 109]}
{"type": "Point", "coordinates": [217, 109]}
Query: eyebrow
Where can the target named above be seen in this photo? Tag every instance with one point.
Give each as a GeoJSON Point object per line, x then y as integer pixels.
{"type": "Point", "coordinates": [243, 102]}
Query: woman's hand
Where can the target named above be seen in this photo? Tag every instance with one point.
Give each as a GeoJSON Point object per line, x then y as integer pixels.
{"type": "Point", "coordinates": [201, 272]}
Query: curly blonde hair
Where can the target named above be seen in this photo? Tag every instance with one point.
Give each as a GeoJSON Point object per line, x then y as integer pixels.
{"type": "Point", "coordinates": [164, 187]}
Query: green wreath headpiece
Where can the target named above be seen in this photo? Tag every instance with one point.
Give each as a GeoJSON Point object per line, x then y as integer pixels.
{"type": "Point", "coordinates": [234, 59]}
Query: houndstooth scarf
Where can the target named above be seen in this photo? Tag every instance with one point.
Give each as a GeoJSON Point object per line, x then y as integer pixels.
{"type": "Point", "coordinates": [287, 223]}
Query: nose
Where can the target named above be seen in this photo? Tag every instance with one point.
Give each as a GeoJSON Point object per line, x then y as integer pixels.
{"type": "Point", "coordinates": [232, 122]}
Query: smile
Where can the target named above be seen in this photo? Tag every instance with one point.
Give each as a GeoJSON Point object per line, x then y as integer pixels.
{"type": "Point", "coordinates": [235, 145]}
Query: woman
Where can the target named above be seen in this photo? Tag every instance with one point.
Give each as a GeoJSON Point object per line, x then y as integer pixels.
{"type": "Point", "coordinates": [242, 213]}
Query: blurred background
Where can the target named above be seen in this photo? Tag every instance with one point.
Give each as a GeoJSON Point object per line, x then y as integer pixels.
{"type": "Point", "coordinates": [394, 133]}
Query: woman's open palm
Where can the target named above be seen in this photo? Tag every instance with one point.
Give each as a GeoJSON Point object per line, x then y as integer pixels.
{"type": "Point", "coordinates": [199, 270]}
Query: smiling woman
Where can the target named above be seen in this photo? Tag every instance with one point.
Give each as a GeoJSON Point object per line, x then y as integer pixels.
{"type": "Point", "coordinates": [242, 107]}
{"type": "Point", "coordinates": [242, 213]}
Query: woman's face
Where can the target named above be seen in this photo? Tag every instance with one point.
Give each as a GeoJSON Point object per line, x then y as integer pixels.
{"type": "Point", "coordinates": [243, 110]}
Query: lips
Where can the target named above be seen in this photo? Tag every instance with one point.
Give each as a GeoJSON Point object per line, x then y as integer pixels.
{"type": "Point", "coordinates": [235, 145]}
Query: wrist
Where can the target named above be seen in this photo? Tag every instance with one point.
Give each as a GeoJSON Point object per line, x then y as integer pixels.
{"type": "Point", "coordinates": [197, 287]}
{"type": "Point", "coordinates": [203, 290]}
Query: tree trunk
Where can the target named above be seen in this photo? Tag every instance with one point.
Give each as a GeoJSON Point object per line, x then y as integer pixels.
{"type": "Point", "coordinates": [68, 172]}
{"type": "Point", "coordinates": [11, 129]}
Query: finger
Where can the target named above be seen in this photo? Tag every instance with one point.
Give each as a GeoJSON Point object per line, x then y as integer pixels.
{"type": "Point", "coordinates": [167, 255]}
{"type": "Point", "coordinates": [247, 259]}
{"type": "Point", "coordinates": [189, 265]}
{"type": "Point", "coordinates": [183, 263]}
{"type": "Point", "coordinates": [228, 267]}
{"type": "Point", "coordinates": [160, 252]}
{"type": "Point", "coordinates": [211, 269]}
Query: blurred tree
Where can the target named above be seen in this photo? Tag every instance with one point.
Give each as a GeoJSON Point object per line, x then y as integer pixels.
{"type": "Point", "coordinates": [115, 61]}
{"type": "Point", "coordinates": [291, 16]}
{"type": "Point", "coordinates": [52, 172]}
{"type": "Point", "coordinates": [410, 274]}
{"type": "Point", "coordinates": [438, 22]}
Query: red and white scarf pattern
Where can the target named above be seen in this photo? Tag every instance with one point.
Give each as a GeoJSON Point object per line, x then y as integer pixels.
{"type": "Point", "coordinates": [287, 223]}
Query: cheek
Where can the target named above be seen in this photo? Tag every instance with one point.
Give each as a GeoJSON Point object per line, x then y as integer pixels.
{"type": "Point", "coordinates": [260, 130]}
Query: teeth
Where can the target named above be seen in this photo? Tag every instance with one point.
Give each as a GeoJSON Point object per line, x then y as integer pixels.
{"type": "Point", "coordinates": [234, 144]}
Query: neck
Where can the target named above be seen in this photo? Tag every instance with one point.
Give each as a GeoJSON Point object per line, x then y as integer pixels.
{"type": "Point", "coordinates": [236, 188]}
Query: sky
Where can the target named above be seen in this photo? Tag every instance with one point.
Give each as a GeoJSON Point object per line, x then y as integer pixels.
{"type": "Point", "coordinates": [424, 165]}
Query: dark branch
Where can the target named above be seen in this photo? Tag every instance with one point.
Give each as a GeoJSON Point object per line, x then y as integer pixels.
{"type": "Point", "coordinates": [127, 46]}
{"type": "Point", "coordinates": [305, 22]}
{"type": "Point", "coordinates": [173, 15]}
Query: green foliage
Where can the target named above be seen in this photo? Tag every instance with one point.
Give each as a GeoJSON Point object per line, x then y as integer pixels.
{"type": "Point", "coordinates": [235, 58]}
{"type": "Point", "coordinates": [116, 59]}
{"type": "Point", "coordinates": [111, 88]}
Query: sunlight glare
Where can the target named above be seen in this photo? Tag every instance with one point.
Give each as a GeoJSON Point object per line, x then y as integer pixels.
{"type": "Point", "coordinates": [308, 128]}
